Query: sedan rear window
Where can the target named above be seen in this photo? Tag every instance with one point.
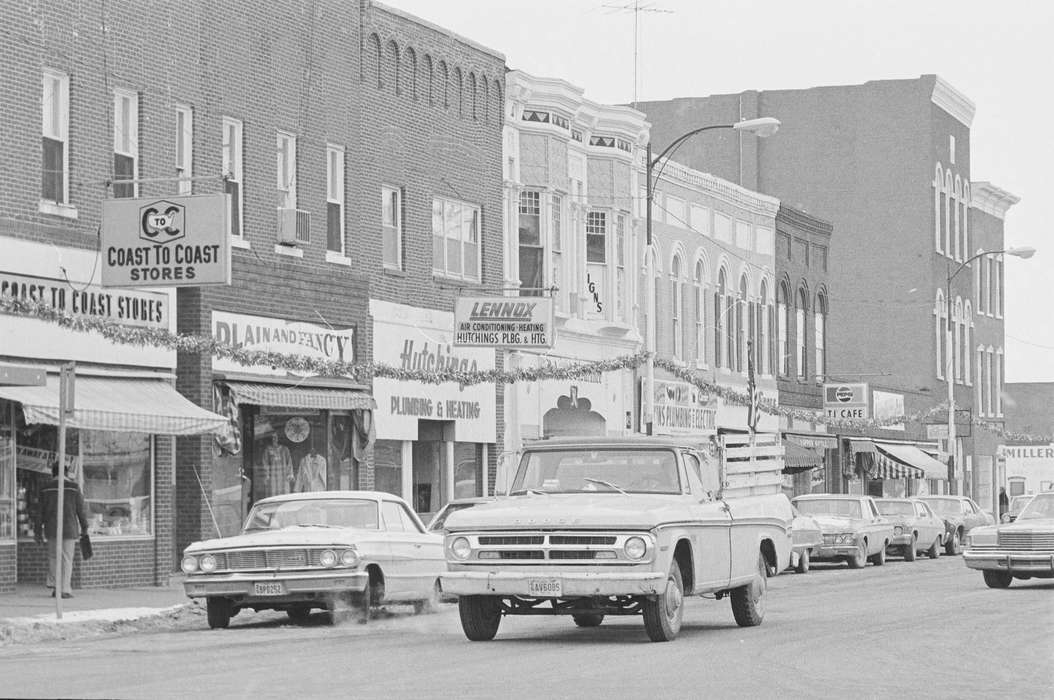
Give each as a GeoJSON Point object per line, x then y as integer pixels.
{"type": "Point", "coordinates": [844, 507]}
{"type": "Point", "coordinates": [895, 508]}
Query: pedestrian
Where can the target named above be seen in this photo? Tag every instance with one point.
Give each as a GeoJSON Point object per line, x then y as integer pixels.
{"type": "Point", "coordinates": [1004, 502]}
{"type": "Point", "coordinates": [74, 521]}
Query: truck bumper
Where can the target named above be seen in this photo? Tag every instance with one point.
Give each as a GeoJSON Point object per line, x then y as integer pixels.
{"type": "Point", "coordinates": [1015, 562]}
{"type": "Point", "coordinates": [572, 585]}
{"type": "Point", "coordinates": [243, 586]}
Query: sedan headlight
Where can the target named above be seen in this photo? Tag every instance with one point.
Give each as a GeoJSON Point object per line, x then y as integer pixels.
{"type": "Point", "coordinates": [328, 558]}
{"type": "Point", "coordinates": [635, 547]}
{"type": "Point", "coordinates": [461, 548]}
{"type": "Point", "coordinates": [207, 564]}
{"type": "Point", "coordinates": [349, 557]}
{"type": "Point", "coordinates": [189, 564]}
{"type": "Point", "coordinates": [898, 530]}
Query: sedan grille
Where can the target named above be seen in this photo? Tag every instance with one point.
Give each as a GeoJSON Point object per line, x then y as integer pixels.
{"type": "Point", "coordinates": [1026, 541]}
{"type": "Point", "coordinates": [263, 559]}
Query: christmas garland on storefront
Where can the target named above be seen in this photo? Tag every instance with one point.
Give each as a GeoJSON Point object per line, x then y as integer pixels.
{"type": "Point", "coordinates": [366, 371]}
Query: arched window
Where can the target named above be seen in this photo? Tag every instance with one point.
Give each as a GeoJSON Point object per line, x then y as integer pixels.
{"type": "Point", "coordinates": [938, 204]}
{"type": "Point", "coordinates": [989, 380]}
{"type": "Point", "coordinates": [459, 92]}
{"type": "Point", "coordinates": [700, 312]}
{"type": "Point", "coordinates": [429, 76]}
{"type": "Point", "coordinates": [761, 351]}
{"type": "Point", "coordinates": [979, 386]}
{"type": "Point", "coordinates": [375, 60]}
{"type": "Point", "coordinates": [391, 63]}
{"type": "Point", "coordinates": [820, 335]}
{"type": "Point", "coordinates": [800, 346]}
{"type": "Point", "coordinates": [947, 213]}
{"type": "Point", "coordinates": [411, 73]}
{"type": "Point", "coordinates": [677, 307]}
{"type": "Point", "coordinates": [968, 337]}
{"type": "Point", "coordinates": [444, 85]}
{"type": "Point", "coordinates": [719, 319]}
{"type": "Point", "coordinates": [782, 329]}
{"type": "Point", "coordinates": [499, 103]}
{"type": "Point", "coordinates": [957, 198]}
{"type": "Point", "coordinates": [484, 100]}
{"type": "Point", "coordinates": [957, 328]}
{"type": "Point", "coordinates": [939, 332]}
{"type": "Point", "coordinates": [741, 325]}
{"type": "Point", "coordinates": [472, 93]}
{"type": "Point", "coordinates": [997, 388]}
{"type": "Point", "coordinates": [966, 217]}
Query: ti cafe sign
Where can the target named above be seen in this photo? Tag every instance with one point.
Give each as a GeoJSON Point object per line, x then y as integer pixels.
{"type": "Point", "coordinates": [846, 401]}
{"type": "Point", "coordinates": [504, 322]}
{"type": "Point", "coordinates": [170, 242]}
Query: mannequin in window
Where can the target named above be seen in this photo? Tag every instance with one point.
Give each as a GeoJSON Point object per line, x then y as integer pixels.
{"type": "Point", "coordinates": [312, 473]}
{"type": "Point", "coordinates": [278, 467]}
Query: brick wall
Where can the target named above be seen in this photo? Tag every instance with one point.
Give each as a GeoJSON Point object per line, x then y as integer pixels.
{"type": "Point", "coordinates": [8, 567]}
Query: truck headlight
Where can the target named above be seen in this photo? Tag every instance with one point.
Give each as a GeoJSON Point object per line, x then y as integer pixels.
{"type": "Point", "coordinates": [207, 564]}
{"type": "Point", "coordinates": [189, 564]}
{"type": "Point", "coordinates": [460, 548]}
{"type": "Point", "coordinates": [635, 547]}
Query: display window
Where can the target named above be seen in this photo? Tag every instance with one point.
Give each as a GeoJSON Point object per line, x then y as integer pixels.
{"type": "Point", "coordinates": [288, 452]}
{"type": "Point", "coordinates": [8, 491]}
{"type": "Point", "coordinates": [388, 466]}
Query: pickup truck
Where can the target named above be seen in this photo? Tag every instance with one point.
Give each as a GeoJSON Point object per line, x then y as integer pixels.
{"type": "Point", "coordinates": [594, 527]}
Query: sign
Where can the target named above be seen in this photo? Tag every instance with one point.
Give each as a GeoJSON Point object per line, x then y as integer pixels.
{"type": "Point", "coordinates": [170, 242]}
{"type": "Point", "coordinates": [15, 375]}
{"type": "Point", "coordinates": [129, 308]}
{"type": "Point", "coordinates": [845, 401]}
{"type": "Point", "coordinates": [281, 336]}
{"type": "Point", "coordinates": [504, 322]}
{"type": "Point", "coordinates": [887, 405]}
{"type": "Point", "coordinates": [681, 409]}
{"type": "Point", "coordinates": [67, 391]}
{"type": "Point", "coordinates": [937, 431]}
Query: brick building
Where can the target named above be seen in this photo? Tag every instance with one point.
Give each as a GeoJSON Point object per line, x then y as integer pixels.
{"type": "Point", "coordinates": [888, 164]}
{"type": "Point", "coordinates": [355, 143]}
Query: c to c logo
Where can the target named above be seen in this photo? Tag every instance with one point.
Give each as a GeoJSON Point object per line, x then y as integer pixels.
{"type": "Point", "coordinates": [161, 222]}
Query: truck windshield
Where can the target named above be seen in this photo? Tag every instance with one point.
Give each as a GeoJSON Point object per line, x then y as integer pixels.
{"type": "Point", "coordinates": [614, 470]}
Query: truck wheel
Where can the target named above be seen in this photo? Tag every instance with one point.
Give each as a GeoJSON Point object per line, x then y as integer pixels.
{"type": "Point", "coordinates": [480, 616]}
{"type": "Point", "coordinates": [662, 615]}
{"type": "Point", "coordinates": [935, 549]}
{"type": "Point", "coordinates": [859, 558]}
{"type": "Point", "coordinates": [879, 558]}
{"type": "Point", "coordinates": [218, 611]}
{"type": "Point", "coordinates": [803, 563]}
{"type": "Point", "coordinates": [748, 602]}
{"type": "Point", "coordinates": [588, 620]}
{"type": "Point", "coordinates": [910, 551]}
{"type": "Point", "coordinates": [997, 579]}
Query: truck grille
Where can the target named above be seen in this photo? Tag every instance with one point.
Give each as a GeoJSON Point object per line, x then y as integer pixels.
{"type": "Point", "coordinates": [490, 540]}
{"type": "Point", "coordinates": [565, 548]}
{"type": "Point", "coordinates": [581, 539]}
{"type": "Point", "coordinates": [1026, 541]}
{"type": "Point", "coordinates": [521, 554]}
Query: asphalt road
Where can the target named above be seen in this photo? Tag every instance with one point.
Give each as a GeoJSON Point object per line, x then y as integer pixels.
{"type": "Point", "coordinates": [904, 630]}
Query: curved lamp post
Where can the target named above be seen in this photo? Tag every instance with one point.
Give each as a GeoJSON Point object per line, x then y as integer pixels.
{"type": "Point", "coordinates": [762, 127]}
{"type": "Point", "coordinates": [949, 365]}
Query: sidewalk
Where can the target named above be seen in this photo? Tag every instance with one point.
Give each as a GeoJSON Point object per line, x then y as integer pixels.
{"type": "Point", "coordinates": [28, 613]}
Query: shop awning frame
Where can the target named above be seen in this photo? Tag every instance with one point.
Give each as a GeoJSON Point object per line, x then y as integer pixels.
{"type": "Point", "coordinates": [133, 405]}
{"type": "Point", "coordinates": [797, 458]}
{"type": "Point", "coordinates": [299, 396]}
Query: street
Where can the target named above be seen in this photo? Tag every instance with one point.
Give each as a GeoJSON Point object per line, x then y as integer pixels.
{"type": "Point", "coordinates": [928, 628]}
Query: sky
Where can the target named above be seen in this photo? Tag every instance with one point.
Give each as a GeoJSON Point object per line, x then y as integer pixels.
{"type": "Point", "coordinates": [996, 53]}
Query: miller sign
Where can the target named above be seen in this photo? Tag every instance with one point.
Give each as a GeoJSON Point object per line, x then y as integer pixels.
{"type": "Point", "coordinates": [848, 401]}
{"type": "Point", "coordinates": [504, 322]}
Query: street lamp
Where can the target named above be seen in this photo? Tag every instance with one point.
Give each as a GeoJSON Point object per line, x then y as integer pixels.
{"type": "Point", "coordinates": [762, 127]}
{"type": "Point", "coordinates": [1017, 251]}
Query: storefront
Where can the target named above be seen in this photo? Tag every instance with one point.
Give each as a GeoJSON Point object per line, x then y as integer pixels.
{"type": "Point", "coordinates": [889, 469]}
{"type": "Point", "coordinates": [434, 442]}
{"type": "Point", "coordinates": [810, 464]}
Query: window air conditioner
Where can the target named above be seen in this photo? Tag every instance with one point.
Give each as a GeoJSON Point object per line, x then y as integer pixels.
{"type": "Point", "coordinates": [294, 226]}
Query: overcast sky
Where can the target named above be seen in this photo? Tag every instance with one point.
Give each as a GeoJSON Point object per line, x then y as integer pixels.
{"type": "Point", "coordinates": [998, 54]}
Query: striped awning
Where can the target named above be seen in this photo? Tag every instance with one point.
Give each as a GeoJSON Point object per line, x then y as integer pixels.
{"type": "Point", "coordinates": [916, 459]}
{"type": "Point", "coordinates": [884, 467]}
{"type": "Point", "coordinates": [797, 458]}
{"type": "Point", "coordinates": [283, 395]}
{"type": "Point", "coordinates": [121, 404]}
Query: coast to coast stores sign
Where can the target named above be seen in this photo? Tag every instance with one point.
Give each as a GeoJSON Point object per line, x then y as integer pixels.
{"type": "Point", "coordinates": [170, 242]}
{"type": "Point", "coordinates": [281, 336]}
{"type": "Point", "coordinates": [496, 322]}
{"type": "Point", "coordinates": [129, 308]}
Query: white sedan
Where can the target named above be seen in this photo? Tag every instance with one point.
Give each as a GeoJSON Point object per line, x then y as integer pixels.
{"type": "Point", "coordinates": [305, 551]}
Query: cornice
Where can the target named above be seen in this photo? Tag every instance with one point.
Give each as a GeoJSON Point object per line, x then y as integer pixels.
{"type": "Point", "coordinates": [992, 200]}
{"type": "Point", "coordinates": [803, 221]}
{"type": "Point", "coordinates": [952, 101]}
{"type": "Point", "coordinates": [443, 31]}
{"type": "Point", "coordinates": [729, 192]}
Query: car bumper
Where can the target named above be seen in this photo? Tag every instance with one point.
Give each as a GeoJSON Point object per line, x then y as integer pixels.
{"type": "Point", "coordinates": [294, 586]}
{"type": "Point", "coordinates": [1014, 562]}
{"type": "Point", "coordinates": [901, 540]}
{"type": "Point", "coordinates": [572, 585]}
{"type": "Point", "coordinates": [834, 551]}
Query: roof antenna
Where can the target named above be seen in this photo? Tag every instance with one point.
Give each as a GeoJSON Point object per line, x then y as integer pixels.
{"type": "Point", "coordinates": [636, 8]}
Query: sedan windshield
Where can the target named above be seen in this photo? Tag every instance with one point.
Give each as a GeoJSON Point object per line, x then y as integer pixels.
{"type": "Point", "coordinates": [614, 470]}
{"type": "Point", "coordinates": [945, 506]}
{"type": "Point", "coordinates": [895, 508]}
{"type": "Point", "coordinates": [843, 507]}
{"type": "Point", "coordinates": [1042, 506]}
{"type": "Point", "coordinates": [313, 512]}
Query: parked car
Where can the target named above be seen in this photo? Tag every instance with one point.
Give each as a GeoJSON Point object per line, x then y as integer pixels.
{"type": "Point", "coordinates": [320, 550]}
{"type": "Point", "coordinates": [961, 515]}
{"type": "Point", "coordinates": [1022, 549]}
{"type": "Point", "coordinates": [853, 529]}
{"type": "Point", "coordinates": [805, 537]}
{"type": "Point", "coordinates": [1017, 504]}
{"type": "Point", "coordinates": [915, 527]}
{"type": "Point", "coordinates": [436, 524]}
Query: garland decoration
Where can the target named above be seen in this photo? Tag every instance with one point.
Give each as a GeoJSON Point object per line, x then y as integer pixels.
{"type": "Point", "coordinates": [365, 371]}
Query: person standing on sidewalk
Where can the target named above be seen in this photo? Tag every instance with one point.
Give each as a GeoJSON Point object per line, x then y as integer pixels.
{"type": "Point", "coordinates": [74, 521]}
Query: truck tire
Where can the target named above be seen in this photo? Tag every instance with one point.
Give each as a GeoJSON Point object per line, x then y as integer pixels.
{"type": "Point", "coordinates": [480, 616]}
{"type": "Point", "coordinates": [663, 613]}
{"type": "Point", "coordinates": [748, 602]}
{"type": "Point", "coordinates": [218, 611]}
{"type": "Point", "coordinates": [997, 579]}
{"type": "Point", "coordinates": [588, 620]}
{"type": "Point", "coordinates": [803, 562]}
{"type": "Point", "coordinates": [910, 550]}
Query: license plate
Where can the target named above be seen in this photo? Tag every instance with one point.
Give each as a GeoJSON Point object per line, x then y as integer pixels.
{"type": "Point", "coordinates": [268, 589]}
{"type": "Point", "coordinates": [545, 587]}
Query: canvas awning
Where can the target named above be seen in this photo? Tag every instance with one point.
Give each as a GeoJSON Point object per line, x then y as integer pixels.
{"type": "Point", "coordinates": [139, 405]}
{"type": "Point", "coordinates": [797, 458]}
{"type": "Point", "coordinates": [914, 458]}
{"type": "Point", "coordinates": [313, 397]}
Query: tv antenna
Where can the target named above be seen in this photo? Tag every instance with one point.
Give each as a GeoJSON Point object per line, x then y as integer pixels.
{"type": "Point", "coordinates": [636, 7]}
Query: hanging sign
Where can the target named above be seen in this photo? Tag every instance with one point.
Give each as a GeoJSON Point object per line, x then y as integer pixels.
{"type": "Point", "coordinates": [846, 401]}
{"type": "Point", "coordinates": [504, 322]}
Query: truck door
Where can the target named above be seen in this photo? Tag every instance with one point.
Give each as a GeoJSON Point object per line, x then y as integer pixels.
{"type": "Point", "coordinates": [711, 531]}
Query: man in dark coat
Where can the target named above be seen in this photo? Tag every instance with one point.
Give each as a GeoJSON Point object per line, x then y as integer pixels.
{"type": "Point", "coordinates": [74, 521]}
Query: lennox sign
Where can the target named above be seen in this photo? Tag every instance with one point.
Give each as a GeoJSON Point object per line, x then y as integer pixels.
{"type": "Point", "coordinates": [168, 242]}
{"type": "Point", "coordinates": [497, 322]}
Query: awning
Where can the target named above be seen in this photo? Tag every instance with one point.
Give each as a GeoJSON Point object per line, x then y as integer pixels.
{"type": "Point", "coordinates": [884, 467]}
{"type": "Point", "coordinates": [916, 459]}
{"type": "Point", "coordinates": [331, 399]}
{"type": "Point", "coordinates": [124, 405]}
{"type": "Point", "coordinates": [797, 458]}
{"type": "Point", "coordinates": [861, 445]}
{"type": "Point", "coordinates": [812, 441]}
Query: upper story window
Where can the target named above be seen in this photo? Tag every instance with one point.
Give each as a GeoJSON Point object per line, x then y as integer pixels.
{"type": "Point", "coordinates": [184, 149]}
{"type": "Point", "coordinates": [762, 350]}
{"type": "Point", "coordinates": [125, 143]}
{"type": "Point", "coordinates": [55, 122]}
{"type": "Point", "coordinates": [392, 227]}
{"type": "Point", "coordinates": [531, 248]}
{"type": "Point", "coordinates": [700, 312]}
{"type": "Point", "coordinates": [232, 172]}
{"type": "Point", "coordinates": [820, 336]}
{"type": "Point", "coordinates": [456, 239]}
{"type": "Point", "coordinates": [556, 241]}
{"type": "Point", "coordinates": [720, 320]}
{"type": "Point", "coordinates": [335, 199]}
{"type": "Point", "coordinates": [800, 353]}
{"type": "Point", "coordinates": [620, 267]}
{"type": "Point", "coordinates": [677, 307]}
{"type": "Point", "coordinates": [286, 170]}
{"type": "Point", "coordinates": [782, 328]}
{"type": "Point", "coordinates": [596, 237]}
{"type": "Point", "coordinates": [997, 286]}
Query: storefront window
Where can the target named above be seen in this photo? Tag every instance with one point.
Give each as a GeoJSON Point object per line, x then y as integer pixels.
{"type": "Point", "coordinates": [8, 513]}
{"type": "Point", "coordinates": [117, 482]}
{"type": "Point", "coordinates": [35, 451]}
{"type": "Point", "coordinates": [388, 466]}
{"type": "Point", "coordinates": [468, 469]}
{"type": "Point", "coordinates": [230, 483]}
{"type": "Point", "coordinates": [289, 452]}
